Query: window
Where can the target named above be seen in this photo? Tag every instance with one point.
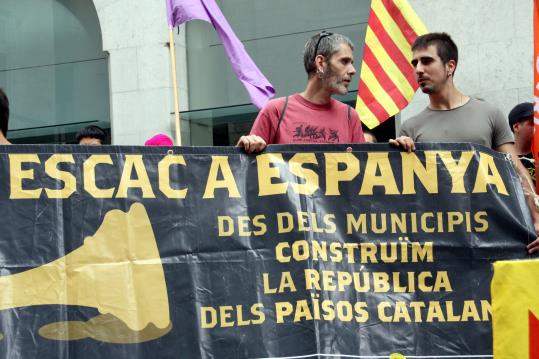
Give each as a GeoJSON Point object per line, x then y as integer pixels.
{"type": "Point", "coordinates": [53, 69]}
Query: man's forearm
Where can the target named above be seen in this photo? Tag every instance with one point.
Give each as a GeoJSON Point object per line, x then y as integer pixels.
{"type": "Point", "coordinates": [529, 189]}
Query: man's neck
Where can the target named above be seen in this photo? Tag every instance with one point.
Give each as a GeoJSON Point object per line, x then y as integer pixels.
{"type": "Point", "coordinates": [522, 147]}
{"type": "Point", "coordinates": [447, 99]}
{"type": "Point", "coordinates": [3, 140]}
{"type": "Point", "coordinates": [315, 93]}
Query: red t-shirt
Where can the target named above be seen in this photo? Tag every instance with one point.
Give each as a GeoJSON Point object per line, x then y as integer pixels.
{"type": "Point", "coordinates": [307, 122]}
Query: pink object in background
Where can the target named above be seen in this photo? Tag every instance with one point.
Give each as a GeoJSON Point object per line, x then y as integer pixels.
{"type": "Point", "coordinates": [159, 140]}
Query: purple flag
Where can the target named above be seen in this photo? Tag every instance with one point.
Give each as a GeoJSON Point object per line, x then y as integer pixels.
{"type": "Point", "coordinates": [254, 81]}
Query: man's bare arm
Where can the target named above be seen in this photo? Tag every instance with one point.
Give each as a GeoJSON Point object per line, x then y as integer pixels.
{"type": "Point", "coordinates": [529, 190]}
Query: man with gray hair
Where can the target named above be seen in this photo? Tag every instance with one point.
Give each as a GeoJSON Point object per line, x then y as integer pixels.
{"type": "Point", "coordinates": [312, 116]}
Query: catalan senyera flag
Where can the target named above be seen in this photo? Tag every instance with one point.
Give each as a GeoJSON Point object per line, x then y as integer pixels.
{"type": "Point", "coordinates": [535, 144]}
{"type": "Point", "coordinates": [515, 309]}
{"type": "Point", "coordinates": [387, 82]}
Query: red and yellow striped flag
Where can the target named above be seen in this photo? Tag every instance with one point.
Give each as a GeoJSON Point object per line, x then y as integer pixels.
{"type": "Point", "coordinates": [387, 82]}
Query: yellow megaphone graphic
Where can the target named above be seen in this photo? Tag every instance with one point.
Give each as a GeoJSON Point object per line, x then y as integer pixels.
{"type": "Point", "coordinates": [118, 271]}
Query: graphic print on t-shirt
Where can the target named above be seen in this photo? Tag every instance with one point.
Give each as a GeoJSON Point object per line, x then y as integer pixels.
{"type": "Point", "coordinates": [313, 134]}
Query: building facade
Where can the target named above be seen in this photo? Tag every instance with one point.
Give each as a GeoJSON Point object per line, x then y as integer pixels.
{"type": "Point", "coordinates": [69, 63]}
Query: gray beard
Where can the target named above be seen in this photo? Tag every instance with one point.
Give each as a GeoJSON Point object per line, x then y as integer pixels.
{"type": "Point", "coordinates": [333, 83]}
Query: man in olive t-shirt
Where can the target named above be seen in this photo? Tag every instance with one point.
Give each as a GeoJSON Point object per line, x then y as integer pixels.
{"type": "Point", "coordinates": [475, 121]}
{"type": "Point", "coordinates": [452, 116]}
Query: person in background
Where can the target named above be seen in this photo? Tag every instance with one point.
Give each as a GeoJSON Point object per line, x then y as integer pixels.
{"type": "Point", "coordinates": [4, 118]}
{"type": "Point", "coordinates": [159, 140]}
{"type": "Point", "coordinates": [521, 123]}
{"type": "Point", "coordinates": [370, 137]}
{"type": "Point", "coordinates": [91, 135]}
{"type": "Point", "coordinates": [312, 116]}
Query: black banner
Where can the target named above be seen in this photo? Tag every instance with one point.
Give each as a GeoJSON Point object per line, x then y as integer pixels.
{"type": "Point", "coordinates": [301, 251]}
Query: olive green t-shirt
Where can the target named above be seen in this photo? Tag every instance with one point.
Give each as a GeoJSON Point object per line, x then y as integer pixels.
{"type": "Point", "coordinates": [476, 122]}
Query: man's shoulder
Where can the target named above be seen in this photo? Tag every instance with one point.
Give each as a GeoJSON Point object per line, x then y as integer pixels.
{"type": "Point", "coordinates": [417, 118]}
{"type": "Point", "coordinates": [474, 105]}
{"type": "Point", "coordinates": [339, 105]}
{"type": "Point", "coordinates": [412, 124]}
{"type": "Point", "coordinates": [488, 112]}
{"type": "Point", "coordinates": [273, 108]}
{"type": "Point", "coordinates": [481, 105]}
{"type": "Point", "coordinates": [276, 102]}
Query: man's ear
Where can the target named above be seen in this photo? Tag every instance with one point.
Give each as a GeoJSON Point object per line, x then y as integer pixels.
{"type": "Point", "coordinates": [451, 66]}
{"type": "Point", "coordinates": [319, 61]}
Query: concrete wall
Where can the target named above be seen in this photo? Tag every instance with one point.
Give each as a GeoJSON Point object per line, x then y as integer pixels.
{"type": "Point", "coordinates": [135, 33]}
{"type": "Point", "coordinates": [274, 34]}
{"type": "Point", "coordinates": [495, 40]}
{"type": "Point", "coordinates": [52, 67]}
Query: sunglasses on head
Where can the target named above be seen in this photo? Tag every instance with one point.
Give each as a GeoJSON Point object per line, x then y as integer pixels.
{"type": "Point", "coordinates": [322, 35]}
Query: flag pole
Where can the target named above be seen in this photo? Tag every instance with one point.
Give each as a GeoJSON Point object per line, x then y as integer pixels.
{"type": "Point", "coordinates": [175, 87]}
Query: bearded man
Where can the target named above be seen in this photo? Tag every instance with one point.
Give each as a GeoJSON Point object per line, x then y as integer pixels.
{"type": "Point", "coordinates": [312, 116]}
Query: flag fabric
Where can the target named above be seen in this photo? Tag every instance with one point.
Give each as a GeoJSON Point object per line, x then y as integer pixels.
{"type": "Point", "coordinates": [515, 309]}
{"type": "Point", "coordinates": [535, 143]}
{"type": "Point", "coordinates": [256, 84]}
{"type": "Point", "coordinates": [387, 82]}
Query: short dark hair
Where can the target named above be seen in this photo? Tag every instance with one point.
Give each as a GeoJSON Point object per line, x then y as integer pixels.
{"type": "Point", "coordinates": [325, 44]}
{"type": "Point", "coordinates": [4, 112]}
{"type": "Point", "coordinates": [91, 132]}
{"type": "Point", "coordinates": [445, 46]}
{"type": "Point", "coordinates": [520, 113]}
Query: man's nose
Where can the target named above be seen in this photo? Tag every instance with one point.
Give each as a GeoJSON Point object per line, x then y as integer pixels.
{"type": "Point", "coordinates": [352, 70]}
